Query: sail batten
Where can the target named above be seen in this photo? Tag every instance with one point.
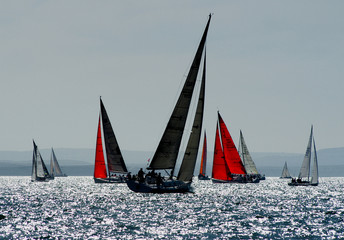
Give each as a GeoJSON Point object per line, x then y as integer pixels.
{"type": "Point", "coordinates": [166, 154]}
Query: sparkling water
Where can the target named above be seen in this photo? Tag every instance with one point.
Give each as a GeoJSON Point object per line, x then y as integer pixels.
{"type": "Point", "coordinates": [77, 208]}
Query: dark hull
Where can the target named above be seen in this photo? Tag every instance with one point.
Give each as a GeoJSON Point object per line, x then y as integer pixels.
{"type": "Point", "coordinates": [39, 179]}
{"type": "Point", "coordinates": [234, 181]}
{"type": "Point", "coordinates": [262, 177]}
{"type": "Point", "coordinates": [109, 180]}
{"type": "Point", "coordinates": [201, 177]}
{"type": "Point", "coordinates": [165, 187]}
{"type": "Point", "coordinates": [302, 184]}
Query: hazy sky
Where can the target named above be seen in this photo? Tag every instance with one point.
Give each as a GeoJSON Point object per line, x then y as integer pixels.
{"type": "Point", "coordinates": [274, 68]}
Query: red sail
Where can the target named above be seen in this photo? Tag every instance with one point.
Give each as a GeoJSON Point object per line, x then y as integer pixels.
{"type": "Point", "coordinates": [230, 152]}
{"type": "Point", "coordinates": [99, 165]}
{"type": "Point", "coordinates": [220, 168]}
{"type": "Point", "coordinates": [202, 170]}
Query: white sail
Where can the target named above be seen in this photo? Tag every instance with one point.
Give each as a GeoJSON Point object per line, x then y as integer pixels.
{"type": "Point", "coordinates": [34, 163]}
{"type": "Point", "coordinates": [55, 169]}
{"type": "Point", "coordinates": [304, 171]}
{"type": "Point", "coordinates": [285, 171]}
{"type": "Point", "coordinates": [39, 170]}
{"type": "Point", "coordinates": [315, 174]}
{"type": "Point", "coordinates": [245, 156]}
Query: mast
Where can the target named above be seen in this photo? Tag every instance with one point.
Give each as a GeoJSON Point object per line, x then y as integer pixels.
{"type": "Point", "coordinates": [99, 164]}
{"type": "Point", "coordinates": [113, 153]}
{"type": "Point", "coordinates": [166, 154]}
{"type": "Point", "coordinates": [305, 168]}
{"type": "Point", "coordinates": [230, 152]}
{"type": "Point", "coordinates": [189, 161]}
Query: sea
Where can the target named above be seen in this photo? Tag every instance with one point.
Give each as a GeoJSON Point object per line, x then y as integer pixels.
{"type": "Point", "coordinates": [77, 208]}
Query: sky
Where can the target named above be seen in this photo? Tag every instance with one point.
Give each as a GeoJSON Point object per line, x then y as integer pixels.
{"type": "Point", "coordinates": [273, 69]}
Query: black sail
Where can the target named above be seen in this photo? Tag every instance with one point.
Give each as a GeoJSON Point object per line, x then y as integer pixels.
{"type": "Point", "coordinates": [165, 156]}
{"type": "Point", "coordinates": [113, 153]}
{"type": "Point", "coordinates": [189, 161]}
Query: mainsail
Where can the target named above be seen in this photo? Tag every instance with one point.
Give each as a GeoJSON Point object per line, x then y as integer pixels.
{"type": "Point", "coordinates": [203, 167]}
{"type": "Point", "coordinates": [165, 156]}
{"type": "Point", "coordinates": [39, 169]}
{"type": "Point", "coordinates": [285, 171]}
{"type": "Point", "coordinates": [189, 161]}
{"type": "Point", "coordinates": [305, 168]}
{"type": "Point", "coordinates": [99, 165]}
{"type": "Point", "coordinates": [230, 152]}
{"type": "Point", "coordinates": [220, 167]}
{"type": "Point", "coordinates": [113, 153]}
{"type": "Point", "coordinates": [55, 169]}
{"type": "Point", "coordinates": [304, 171]}
{"type": "Point", "coordinates": [246, 158]}
{"type": "Point", "coordinates": [315, 174]}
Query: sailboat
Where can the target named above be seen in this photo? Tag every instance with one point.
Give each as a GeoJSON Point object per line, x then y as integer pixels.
{"type": "Point", "coordinates": [285, 171]}
{"type": "Point", "coordinates": [115, 171]}
{"type": "Point", "coordinates": [227, 164]}
{"type": "Point", "coordinates": [166, 155]}
{"type": "Point", "coordinates": [55, 169]}
{"type": "Point", "coordinates": [39, 170]}
{"type": "Point", "coordinates": [303, 178]}
{"type": "Point", "coordinates": [202, 171]}
{"type": "Point", "coordinates": [250, 166]}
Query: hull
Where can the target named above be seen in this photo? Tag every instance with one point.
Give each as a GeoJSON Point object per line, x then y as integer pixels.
{"type": "Point", "coordinates": [39, 179]}
{"type": "Point", "coordinates": [202, 177]}
{"type": "Point", "coordinates": [64, 175]}
{"type": "Point", "coordinates": [262, 177]}
{"type": "Point", "coordinates": [236, 181]}
{"type": "Point", "coordinates": [165, 187]}
{"type": "Point", "coordinates": [109, 180]}
{"type": "Point", "coordinates": [302, 184]}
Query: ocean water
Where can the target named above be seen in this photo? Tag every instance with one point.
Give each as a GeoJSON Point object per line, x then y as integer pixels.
{"type": "Point", "coordinates": [76, 208]}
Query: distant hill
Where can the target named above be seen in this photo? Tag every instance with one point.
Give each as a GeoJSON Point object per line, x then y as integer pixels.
{"type": "Point", "coordinates": [79, 162]}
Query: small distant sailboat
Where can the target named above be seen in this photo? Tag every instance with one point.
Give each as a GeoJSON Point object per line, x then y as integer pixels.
{"type": "Point", "coordinates": [227, 164]}
{"type": "Point", "coordinates": [39, 170]}
{"type": "Point", "coordinates": [55, 169]}
{"type": "Point", "coordinates": [303, 178]}
{"type": "Point", "coordinates": [250, 166]}
{"type": "Point", "coordinates": [203, 168]}
{"type": "Point", "coordinates": [285, 172]}
{"type": "Point", "coordinates": [165, 156]}
{"type": "Point", "coordinates": [115, 161]}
